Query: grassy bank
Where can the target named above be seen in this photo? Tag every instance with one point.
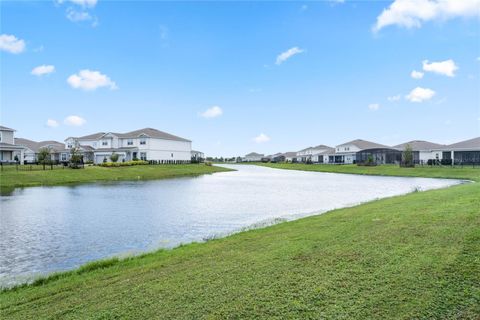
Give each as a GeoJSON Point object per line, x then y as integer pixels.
{"type": "Point", "coordinates": [11, 178]}
{"type": "Point", "coordinates": [412, 256]}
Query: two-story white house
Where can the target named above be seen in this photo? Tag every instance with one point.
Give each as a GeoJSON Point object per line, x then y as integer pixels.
{"type": "Point", "coordinates": [9, 151]}
{"type": "Point", "coordinates": [317, 154]}
{"type": "Point", "coordinates": [346, 152]}
{"type": "Point", "coordinates": [143, 144]}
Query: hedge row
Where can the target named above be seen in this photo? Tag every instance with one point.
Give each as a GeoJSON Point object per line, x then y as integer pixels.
{"type": "Point", "coordinates": [123, 164]}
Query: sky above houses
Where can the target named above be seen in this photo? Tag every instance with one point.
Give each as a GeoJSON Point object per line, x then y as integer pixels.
{"type": "Point", "coordinates": [237, 77]}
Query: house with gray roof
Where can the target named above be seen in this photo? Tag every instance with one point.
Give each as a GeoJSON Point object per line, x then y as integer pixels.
{"type": "Point", "coordinates": [347, 152]}
{"type": "Point", "coordinates": [314, 154]}
{"type": "Point", "coordinates": [9, 151]}
{"type": "Point", "coordinates": [32, 149]}
{"type": "Point", "coordinates": [142, 144]}
{"type": "Point", "coordinates": [422, 150]}
{"type": "Point", "coordinates": [463, 152]}
{"type": "Point", "coordinates": [253, 157]}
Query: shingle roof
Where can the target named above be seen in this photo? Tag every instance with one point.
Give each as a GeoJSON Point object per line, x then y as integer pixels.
{"type": "Point", "coordinates": [467, 144]}
{"type": "Point", "coordinates": [153, 133]}
{"type": "Point", "coordinates": [254, 154]}
{"type": "Point", "coordinates": [36, 146]}
{"type": "Point", "coordinates": [363, 144]}
{"type": "Point", "coordinates": [290, 154]}
{"type": "Point", "coordinates": [93, 136]}
{"type": "Point", "coordinates": [322, 146]}
{"type": "Point", "coordinates": [6, 129]}
{"type": "Point", "coordinates": [418, 145]}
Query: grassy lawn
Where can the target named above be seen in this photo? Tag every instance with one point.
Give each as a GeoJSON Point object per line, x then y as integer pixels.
{"type": "Point", "coordinates": [409, 257]}
{"type": "Point", "coordinates": [10, 178]}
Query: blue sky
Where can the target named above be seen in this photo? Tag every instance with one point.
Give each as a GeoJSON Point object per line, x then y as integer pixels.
{"type": "Point", "coordinates": [214, 72]}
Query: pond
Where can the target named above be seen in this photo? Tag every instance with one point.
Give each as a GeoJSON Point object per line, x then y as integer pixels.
{"type": "Point", "coordinates": [47, 229]}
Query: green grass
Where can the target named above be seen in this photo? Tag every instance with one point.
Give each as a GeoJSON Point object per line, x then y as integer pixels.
{"type": "Point", "coordinates": [409, 257]}
{"type": "Point", "coordinates": [11, 178]}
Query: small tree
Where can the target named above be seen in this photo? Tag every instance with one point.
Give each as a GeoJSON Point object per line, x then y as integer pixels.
{"type": "Point", "coordinates": [43, 156]}
{"type": "Point", "coordinates": [407, 156]}
{"type": "Point", "coordinates": [75, 158]}
{"type": "Point", "coordinates": [114, 157]}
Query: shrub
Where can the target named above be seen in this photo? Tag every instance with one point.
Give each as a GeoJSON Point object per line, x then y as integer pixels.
{"type": "Point", "coordinates": [114, 157]}
{"type": "Point", "coordinates": [123, 164]}
{"type": "Point", "coordinates": [208, 163]}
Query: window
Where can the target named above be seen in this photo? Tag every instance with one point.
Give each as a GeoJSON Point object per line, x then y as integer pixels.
{"type": "Point", "coordinates": [129, 142]}
{"type": "Point", "coordinates": [143, 156]}
{"type": "Point", "coordinates": [64, 157]}
{"type": "Point", "coordinates": [172, 155]}
{"type": "Point", "coordinates": [94, 144]}
{"type": "Point", "coordinates": [104, 143]}
{"type": "Point", "coordinates": [143, 141]}
{"type": "Point", "coordinates": [69, 146]}
{"type": "Point", "coordinates": [0, 136]}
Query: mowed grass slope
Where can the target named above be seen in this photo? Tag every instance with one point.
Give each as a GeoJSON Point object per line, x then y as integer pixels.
{"type": "Point", "coordinates": [412, 256]}
{"type": "Point", "coordinates": [10, 178]}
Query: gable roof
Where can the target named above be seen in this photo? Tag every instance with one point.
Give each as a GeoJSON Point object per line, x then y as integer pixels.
{"type": "Point", "coordinates": [254, 154]}
{"type": "Point", "coordinates": [466, 144]}
{"type": "Point", "coordinates": [363, 144]}
{"type": "Point", "coordinates": [6, 129]}
{"type": "Point", "coordinates": [322, 146]}
{"type": "Point", "coordinates": [93, 136]}
{"type": "Point", "coordinates": [152, 133]}
{"type": "Point", "coordinates": [418, 145]}
{"type": "Point", "coordinates": [290, 154]}
{"type": "Point", "coordinates": [36, 146]}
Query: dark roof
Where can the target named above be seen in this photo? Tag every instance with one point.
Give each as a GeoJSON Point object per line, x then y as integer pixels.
{"type": "Point", "coordinates": [467, 144]}
{"type": "Point", "coordinates": [363, 144]}
{"type": "Point", "coordinates": [418, 145]}
{"type": "Point", "coordinates": [254, 154]}
{"type": "Point", "coordinates": [6, 129]}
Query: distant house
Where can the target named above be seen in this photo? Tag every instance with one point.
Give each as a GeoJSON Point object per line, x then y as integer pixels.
{"type": "Point", "coordinates": [347, 152]}
{"type": "Point", "coordinates": [422, 150]}
{"type": "Point", "coordinates": [314, 154]}
{"type": "Point", "coordinates": [8, 149]}
{"type": "Point", "coordinates": [32, 148]}
{"type": "Point", "coordinates": [277, 157]}
{"type": "Point", "coordinates": [253, 157]}
{"type": "Point", "coordinates": [142, 144]}
{"type": "Point", "coordinates": [197, 156]}
{"type": "Point", "coordinates": [463, 152]}
{"type": "Point", "coordinates": [290, 156]}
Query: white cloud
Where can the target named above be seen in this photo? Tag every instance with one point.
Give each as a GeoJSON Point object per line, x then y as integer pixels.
{"type": "Point", "coordinates": [11, 44]}
{"type": "Point", "coordinates": [284, 56]}
{"type": "Point", "coordinates": [412, 13]}
{"type": "Point", "coordinates": [52, 123]}
{"type": "Point", "coordinates": [447, 67]}
{"type": "Point", "coordinates": [416, 74]}
{"type": "Point", "coordinates": [90, 80]}
{"type": "Point", "coordinates": [77, 16]}
{"type": "Point", "coordinates": [74, 121]}
{"type": "Point", "coordinates": [212, 112]}
{"type": "Point", "coordinates": [303, 7]}
{"type": "Point", "coordinates": [42, 70]}
{"type": "Point", "coordinates": [394, 98]}
{"type": "Point", "coordinates": [83, 3]}
{"type": "Point", "coordinates": [374, 106]}
{"type": "Point", "coordinates": [420, 94]}
{"type": "Point", "coordinates": [261, 138]}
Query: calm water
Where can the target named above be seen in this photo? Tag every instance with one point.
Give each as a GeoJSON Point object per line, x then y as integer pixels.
{"type": "Point", "coordinates": [47, 229]}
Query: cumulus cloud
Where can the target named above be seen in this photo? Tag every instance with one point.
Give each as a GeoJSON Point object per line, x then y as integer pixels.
{"type": "Point", "coordinates": [261, 138]}
{"type": "Point", "coordinates": [416, 74]}
{"type": "Point", "coordinates": [394, 98]}
{"type": "Point", "coordinates": [420, 94]}
{"type": "Point", "coordinates": [446, 68]}
{"type": "Point", "coordinates": [212, 112]}
{"type": "Point", "coordinates": [11, 44]}
{"type": "Point", "coordinates": [73, 120]}
{"type": "Point", "coordinates": [43, 70]}
{"type": "Point", "coordinates": [90, 80]}
{"type": "Point", "coordinates": [284, 56]}
{"type": "Point", "coordinates": [52, 123]}
{"type": "Point", "coordinates": [412, 13]}
{"type": "Point", "coordinates": [374, 106]}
